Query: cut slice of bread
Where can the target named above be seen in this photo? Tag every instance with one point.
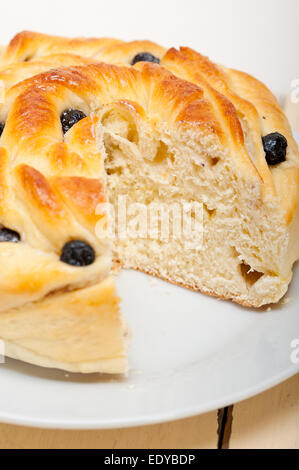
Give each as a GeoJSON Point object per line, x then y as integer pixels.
{"type": "Point", "coordinates": [77, 331]}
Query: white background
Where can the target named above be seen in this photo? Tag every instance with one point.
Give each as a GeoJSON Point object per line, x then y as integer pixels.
{"type": "Point", "coordinates": [258, 36]}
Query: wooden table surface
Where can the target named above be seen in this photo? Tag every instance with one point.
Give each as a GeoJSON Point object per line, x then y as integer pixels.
{"type": "Point", "coordinates": [269, 420]}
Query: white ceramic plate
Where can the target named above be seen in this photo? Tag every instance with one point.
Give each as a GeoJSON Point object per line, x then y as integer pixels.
{"type": "Point", "coordinates": [189, 354]}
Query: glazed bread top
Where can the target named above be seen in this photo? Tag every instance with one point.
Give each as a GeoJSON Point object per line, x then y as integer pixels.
{"type": "Point", "coordinates": [239, 108]}
{"type": "Point", "coordinates": [27, 46]}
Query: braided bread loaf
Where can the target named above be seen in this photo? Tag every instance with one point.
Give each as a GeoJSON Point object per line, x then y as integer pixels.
{"type": "Point", "coordinates": [182, 131]}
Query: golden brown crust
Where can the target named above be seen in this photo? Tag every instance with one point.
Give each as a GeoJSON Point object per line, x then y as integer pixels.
{"type": "Point", "coordinates": [82, 196]}
{"type": "Point", "coordinates": [233, 103]}
{"type": "Point", "coordinates": [181, 65]}
{"type": "Point", "coordinates": [164, 95]}
{"type": "Point", "coordinates": [124, 52]}
{"type": "Point", "coordinates": [28, 45]}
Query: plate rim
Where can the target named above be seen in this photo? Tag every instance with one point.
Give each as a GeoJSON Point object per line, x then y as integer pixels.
{"type": "Point", "coordinates": [155, 418]}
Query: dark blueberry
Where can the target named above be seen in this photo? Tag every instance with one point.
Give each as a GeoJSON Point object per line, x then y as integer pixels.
{"type": "Point", "coordinates": [69, 117]}
{"type": "Point", "coordinates": [145, 57]}
{"type": "Point", "coordinates": [1, 127]}
{"type": "Point", "coordinates": [275, 146]}
{"type": "Point", "coordinates": [7, 235]}
{"type": "Point", "coordinates": [77, 253]}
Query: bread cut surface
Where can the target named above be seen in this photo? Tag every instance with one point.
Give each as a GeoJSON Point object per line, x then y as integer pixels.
{"type": "Point", "coordinates": [184, 131]}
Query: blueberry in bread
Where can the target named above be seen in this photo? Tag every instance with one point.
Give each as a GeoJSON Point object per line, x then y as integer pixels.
{"type": "Point", "coordinates": [145, 57]}
{"type": "Point", "coordinates": [275, 146]}
{"type": "Point", "coordinates": [69, 117]}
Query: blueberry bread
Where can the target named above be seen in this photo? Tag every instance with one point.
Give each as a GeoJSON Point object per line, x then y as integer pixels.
{"type": "Point", "coordinates": [177, 129]}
